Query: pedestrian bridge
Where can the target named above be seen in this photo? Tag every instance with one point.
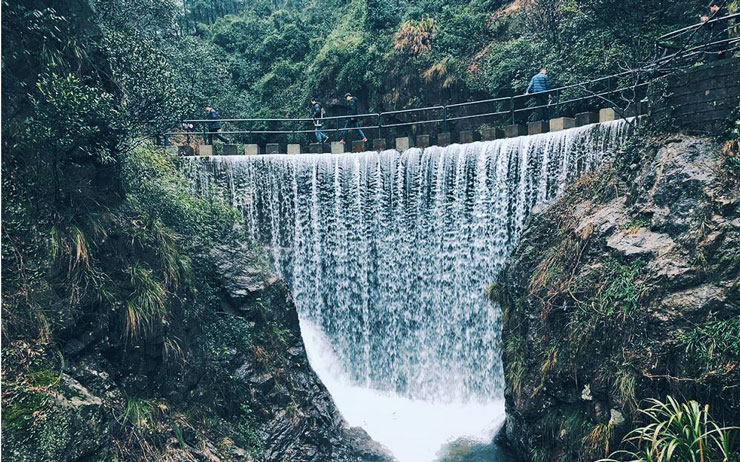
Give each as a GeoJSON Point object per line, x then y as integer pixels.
{"type": "Point", "coordinates": [685, 85]}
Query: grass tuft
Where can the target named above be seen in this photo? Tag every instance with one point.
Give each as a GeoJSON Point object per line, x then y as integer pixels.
{"type": "Point", "coordinates": [146, 309]}
{"type": "Point", "coordinates": [676, 432]}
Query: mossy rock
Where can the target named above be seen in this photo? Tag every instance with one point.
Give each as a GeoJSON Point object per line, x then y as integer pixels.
{"type": "Point", "coordinates": [59, 423]}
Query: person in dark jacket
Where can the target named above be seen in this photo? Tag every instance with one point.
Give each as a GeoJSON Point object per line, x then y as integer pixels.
{"type": "Point", "coordinates": [317, 114]}
{"type": "Point", "coordinates": [715, 31]}
{"type": "Point", "coordinates": [539, 87]}
{"type": "Point", "coordinates": [352, 121]}
{"type": "Point", "coordinates": [214, 126]}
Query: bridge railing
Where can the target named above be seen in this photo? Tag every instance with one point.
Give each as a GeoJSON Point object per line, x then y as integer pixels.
{"type": "Point", "coordinates": [565, 100]}
{"type": "Point", "coordinates": [707, 39]}
{"type": "Point", "coordinates": [622, 91]}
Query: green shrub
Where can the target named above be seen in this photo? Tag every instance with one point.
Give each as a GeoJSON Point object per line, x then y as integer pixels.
{"type": "Point", "coordinates": [679, 432]}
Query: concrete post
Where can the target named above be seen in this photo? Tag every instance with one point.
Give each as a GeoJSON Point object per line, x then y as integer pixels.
{"type": "Point", "coordinates": [316, 148]}
{"type": "Point", "coordinates": [562, 123]}
{"type": "Point", "coordinates": [402, 143]}
{"type": "Point", "coordinates": [272, 148]}
{"type": "Point", "coordinates": [379, 144]}
{"type": "Point", "coordinates": [515, 130]}
{"type": "Point", "coordinates": [358, 146]}
{"type": "Point", "coordinates": [205, 150]}
{"type": "Point", "coordinates": [607, 114]}
{"type": "Point", "coordinates": [186, 150]}
{"type": "Point", "coordinates": [251, 149]}
{"type": "Point", "coordinates": [337, 147]}
{"type": "Point", "coordinates": [535, 128]}
{"type": "Point", "coordinates": [586, 118]}
{"type": "Point", "coordinates": [294, 148]}
{"type": "Point", "coordinates": [230, 150]}
{"type": "Point", "coordinates": [489, 134]}
{"type": "Point", "coordinates": [443, 139]}
{"type": "Point", "coordinates": [466, 136]}
{"type": "Point", "coordinates": [422, 141]}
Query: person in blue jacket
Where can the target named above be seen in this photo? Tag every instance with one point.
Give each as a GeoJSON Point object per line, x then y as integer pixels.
{"type": "Point", "coordinates": [539, 87]}
{"type": "Point", "coordinates": [352, 121]}
{"type": "Point", "coordinates": [317, 114]}
{"type": "Point", "coordinates": [214, 125]}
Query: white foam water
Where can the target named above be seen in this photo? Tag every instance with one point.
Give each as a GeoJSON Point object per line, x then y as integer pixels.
{"type": "Point", "coordinates": [412, 429]}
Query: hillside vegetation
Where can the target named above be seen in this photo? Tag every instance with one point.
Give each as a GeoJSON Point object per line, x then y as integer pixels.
{"type": "Point", "coordinates": [397, 54]}
{"type": "Point", "coordinates": [139, 322]}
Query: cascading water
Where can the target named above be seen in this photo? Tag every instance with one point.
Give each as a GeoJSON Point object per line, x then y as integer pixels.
{"type": "Point", "coordinates": [388, 255]}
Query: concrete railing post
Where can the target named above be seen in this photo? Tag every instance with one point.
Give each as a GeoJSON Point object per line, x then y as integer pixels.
{"type": "Point", "coordinates": [562, 123]}
{"type": "Point", "coordinates": [230, 150]}
{"type": "Point", "coordinates": [607, 114]}
{"type": "Point", "coordinates": [423, 141]}
{"type": "Point", "coordinates": [535, 128]}
{"type": "Point", "coordinates": [402, 143]}
{"type": "Point", "coordinates": [586, 118]}
{"type": "Point", "coordinates": [515, 130]}
{"type": "Point", "coordinates": [466, 136]}
{"type": "Point", "coordinates": [490, 134]}
{"type": "Point", "coordinates": [186, 150]}
{"type": "Point", "coordinates": [337, 147]}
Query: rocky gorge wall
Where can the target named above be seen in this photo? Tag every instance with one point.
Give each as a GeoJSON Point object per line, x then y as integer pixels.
{"type": "Point", "coordinates": [78, 408]}
{"type": "Point", "coordinates": [625, 288]}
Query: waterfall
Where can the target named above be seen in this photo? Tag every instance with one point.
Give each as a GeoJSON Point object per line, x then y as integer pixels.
{"type": "Point", "coordinates": [388, 254]}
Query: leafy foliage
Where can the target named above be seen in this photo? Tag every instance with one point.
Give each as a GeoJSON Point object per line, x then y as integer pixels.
{"type": "Point", "coordinates": [677, 432]}
{"type": "Point", "coordinates": [103, 247]}
{"type": "Point", "coordinates": [386, 52]}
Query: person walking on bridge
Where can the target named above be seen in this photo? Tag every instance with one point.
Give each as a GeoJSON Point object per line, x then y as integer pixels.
{"type": "Point", "coordinates": [715, 32]}
{"type": "Point", "coordinates": [539, 87]}
{"type": "Point", "coordinates": [317, 114]}
{"type": "Point", "coordinates": [214, 126]}
{"type": "Point", "coordinates": [352, 121]}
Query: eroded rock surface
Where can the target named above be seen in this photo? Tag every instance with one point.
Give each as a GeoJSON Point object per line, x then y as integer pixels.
{"type": "Point", "coordinates": [612, 295]}
{"type": "Point", "coordinates": [248, 395]}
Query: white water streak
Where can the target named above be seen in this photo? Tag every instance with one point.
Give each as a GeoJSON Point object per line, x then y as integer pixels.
{"type": "Point", "coordinates": [390, 253]}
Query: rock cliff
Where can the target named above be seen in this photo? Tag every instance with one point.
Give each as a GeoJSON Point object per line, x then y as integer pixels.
{"type": "Point", "coordinates": [625, 288]}
{"type": "Point", "coordinates": [249, 394]}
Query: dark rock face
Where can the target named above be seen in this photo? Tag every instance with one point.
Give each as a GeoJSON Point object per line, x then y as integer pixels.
{"type": "Point", "coordinates": [614, 295]}
{"type": "Point", "coordinates": [249, 393]}
{"type": "Point", "coordinates": [301, 422]}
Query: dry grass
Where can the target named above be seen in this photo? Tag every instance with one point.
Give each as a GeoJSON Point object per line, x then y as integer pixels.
{"type": "Point", "coordinates": [415, 37]}
{"type": "Point", "coordinates": [596, 442]}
